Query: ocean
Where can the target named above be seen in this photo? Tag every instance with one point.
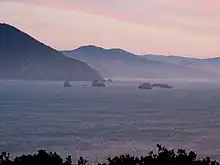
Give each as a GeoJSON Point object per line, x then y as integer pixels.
{"type": "Point", "coordinates": [101, 122]}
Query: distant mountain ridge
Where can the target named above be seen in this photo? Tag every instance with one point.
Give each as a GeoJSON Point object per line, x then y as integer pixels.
{"type": "Point", "coordinates": [120, 63]}
{"type": "Point", "coordinates": [204, 64]}
{"type": "Point", "coordinates": [23, 57]}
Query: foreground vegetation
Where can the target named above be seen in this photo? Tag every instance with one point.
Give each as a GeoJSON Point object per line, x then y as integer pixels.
{"type": "Point", "coordinates": [163, 156]}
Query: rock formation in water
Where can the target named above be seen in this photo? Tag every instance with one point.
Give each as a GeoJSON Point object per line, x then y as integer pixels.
{"type": "Point", "coordinates": [162, 86]}
{"type": "Point", "coordinates": [150, 86]}
{"type": "Point", "coordinates": [98, 83]}
{"type": "Point", "coordinates": [145, 86]}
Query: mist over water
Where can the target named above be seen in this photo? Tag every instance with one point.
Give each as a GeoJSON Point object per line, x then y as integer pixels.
{"type": "Point", "coordinates": [101, 122]}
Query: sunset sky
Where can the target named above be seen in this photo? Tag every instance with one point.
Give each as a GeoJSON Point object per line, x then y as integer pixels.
{"type": "Point", "coordinates": [169, 27]}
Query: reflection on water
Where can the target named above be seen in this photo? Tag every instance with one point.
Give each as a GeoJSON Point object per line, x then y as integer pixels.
{"type": "Point", "coordinates": [108, 121]}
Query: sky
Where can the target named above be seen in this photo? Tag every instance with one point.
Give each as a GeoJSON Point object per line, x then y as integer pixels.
{"type": "Point", "coordinates": [170, 27]}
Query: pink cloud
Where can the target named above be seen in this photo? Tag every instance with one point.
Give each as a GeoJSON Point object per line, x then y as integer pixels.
{"type": "Point", "coordinates": [193, 16]}
{"type": "Point", "coordinates": [179, 27]}
{"type": "Point", "coordinates": [188, 15]}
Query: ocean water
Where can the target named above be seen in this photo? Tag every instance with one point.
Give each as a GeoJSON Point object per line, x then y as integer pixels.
{"type": "Point", "coordinates": [102, 122]}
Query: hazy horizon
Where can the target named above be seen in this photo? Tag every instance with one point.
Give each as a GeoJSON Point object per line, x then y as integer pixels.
{"type": "Point", "coordinates": [167, 27]}
{"type": "Point", "coordinates": [100, 103]}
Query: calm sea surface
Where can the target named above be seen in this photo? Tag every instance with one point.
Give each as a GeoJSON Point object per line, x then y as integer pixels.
{"type": "Point", "coordinates": [100, 122]}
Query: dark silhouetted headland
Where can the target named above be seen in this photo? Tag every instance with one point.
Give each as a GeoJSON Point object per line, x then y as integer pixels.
{"type": "Point", "coordinates": [23, 57]}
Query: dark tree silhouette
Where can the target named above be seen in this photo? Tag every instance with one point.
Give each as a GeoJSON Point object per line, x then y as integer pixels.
{"type": "Point", "coordinates": [163, 156]}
